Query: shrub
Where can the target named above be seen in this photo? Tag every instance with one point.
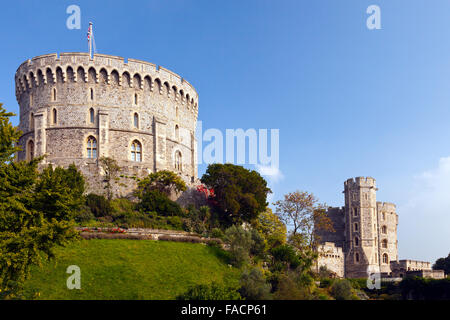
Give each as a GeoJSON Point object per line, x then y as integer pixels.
{"type": "Point", "coordinates": [217, 233]}
{"type": "Point", "coordinates": [99, 205]}
{"type": "Point", "coordinates": [213, 291]}
{"type": "Point", "coordinates": [342, 289]}
{"type": "Point", "coordinates": [240, 242]}
{"type": "Point", "coordinates": [285, 257]}
{"type": "Point", "coordinates": [192, 239]}
{"type": "Point", "coordinates": [289, 289]}
{"type": "Point", "coordinates": [254, 286]}
{"type": "Point", "coordinates": [258, 246]}
{"type": "Point", "coordinates": [157, 201]}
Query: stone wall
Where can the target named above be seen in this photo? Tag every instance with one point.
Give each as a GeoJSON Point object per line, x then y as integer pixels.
{"type": "Point", "coordinates": [331, 257]}
{"type": "Point", "coordinates": [129, 101]}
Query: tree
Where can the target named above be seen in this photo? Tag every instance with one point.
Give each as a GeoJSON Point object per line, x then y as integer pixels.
{"type": "Point", "coordinates": [164, 181]}
{"type": "Point", "coordinates": [240, 194]}
{"type": "Point", "coordinates": [302, 211]}
{"type": "Point", "coordinates": [59, 192]}
{"type": "Point", "coordinates": [443, 264]}
{"type": "Point", "coordinates": [271, 228]}
{"type": "Point", "coordinates": [111, 169]}
{"type": "Point", "coordinates": [241, 242]}
{"type": "Point", "coordinates": [254, 286]}
{"type": "Point", "coordinates": [9, 136]}
{"type": "Point", "coordinates": [27, 233]}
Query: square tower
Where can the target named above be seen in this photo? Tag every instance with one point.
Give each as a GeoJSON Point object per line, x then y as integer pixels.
{"type": "Point", "coordinates": [361, 227]}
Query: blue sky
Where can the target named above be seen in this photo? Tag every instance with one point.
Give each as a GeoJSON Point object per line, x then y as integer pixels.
{"type": "Point", "coordinates": [348, 101]}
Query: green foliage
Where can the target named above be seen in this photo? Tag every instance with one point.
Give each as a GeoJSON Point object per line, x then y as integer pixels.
{"type": "Point", "coordinates": [29, 209]}
{"type": "Point", "coordinates": [240, 194]}
{"type": "Point", "coordinates": [285, 257]}
{"type": "Point", "coordinates": [155, 200]}
{"type": "Point", "coordinates": [99, 205]}
{"type": "Point", "coordinates": [59, 192]}
{"type": "Point", "coordinates": [111, 169]}
{"type": "Point", "coordinates": [164, 181]}
{"type": "Point", "coordinates": [288, 288]}
{"type": "Point", "coordinates": [271, 228]}
{"type": "Point", "coordinates": [199, 220]}
{"type": "Point", "coordinates": [240, 242]}
{"type": "Point", "coordinates": [9, 136]}
{"type": "Point", "coordinates": [443, 264]}
{"type": "Point", "coordinates": [425, 289]}
{"type": "Point", "coordinates": [258, 247]}
{"type": "Point", "coordinates": [254, 285]}
{"type": "Point", "coordinates": [342, 290]}
{"type": "Point", "coordinates": [213, 291]}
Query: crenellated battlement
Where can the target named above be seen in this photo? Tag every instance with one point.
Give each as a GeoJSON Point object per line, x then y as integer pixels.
{"type": "Point", "coordinates": [388, 206]}
{"type": "Point", "coordinates": [79, 67]}
{"type": "Point", "coordinates": [360, 182]}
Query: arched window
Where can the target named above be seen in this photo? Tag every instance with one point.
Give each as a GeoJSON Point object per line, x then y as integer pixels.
{"type": "Point", "coordinates": [384, 229]}
{"type": "Point", "coordinates": [177, 133]}
{"type": "Point", "coordinates": [54, 116]}
{"type": "Point", "coordinates": [355, 212]}
{"type": "Point", "coordinates": [385, 258]}
{"type": "Point", "coordinates": [92, 94]}
{"type": "Point", "coordinates": [91, 115]}
{"type": "Point", "coordinates": [356, 257]}
{"type": "Point", "coordinates": [92, 148]}
{"type": "Point", "coordinates": [356, 241]}
{"type": "Point", "coordinates": [54, 94]}
{"type": "Point", "coordinates": [356, 227]}
{"type": "Point", "coordinates": [31, 121]}
{"type": "Point", "coordinates": [178, 161]}
{"type": "Point", "coordinates": [136, 151]}
{"type": "Point", "coordinates": [384, 243]}
{"type": "Point", "coordinates": [30, 150]}
{"type": "Point", "coordinates": [176, 112]}
{"type": "Point", "coordinates": [135, 99]}
{"type": "Point", "coordinates": [136, 120]}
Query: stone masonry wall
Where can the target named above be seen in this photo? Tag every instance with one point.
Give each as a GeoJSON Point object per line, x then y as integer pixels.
{"type": "Point", "coordinates": [57, 93]}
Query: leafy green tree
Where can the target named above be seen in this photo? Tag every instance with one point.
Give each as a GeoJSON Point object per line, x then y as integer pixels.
{"type": "Point", "coordinates": [9, 136]}
{"type": "Point", "coordinates": [59, 192]}
{"type": "Point", "coordinates": [342, 289]}
{"type": "Point", "coordinates": [27, 234]}
{"type": "Point", "coordinates": [111, 169]}
{"type": "Point", "coordinates": [99, 205]}
{"type": "Point", "coordinates": [213, 291]}
{"type": "Point", "coordinates": [305, 215]}
{"type": "Point", "coordinates": [443, 264]}
{"type": "Point", "coordinates": [254, 285]}
{"type": "Point", "coordinates": [164, 181]}
{"type": "Point", "coordinates": [240, 194]}
{"type": "Point", "coordinates": [271, 228]}
{"type": "Point", "coordinates": [156, 201]}
{"type": "Point", "coordinates": [240, 242]}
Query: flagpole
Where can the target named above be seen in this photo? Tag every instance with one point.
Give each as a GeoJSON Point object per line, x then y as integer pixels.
{"type": "Point", "coordinates": [90, 40]}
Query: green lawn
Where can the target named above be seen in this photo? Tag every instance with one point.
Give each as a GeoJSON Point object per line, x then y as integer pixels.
{"type": "Point", "coordinates": [130, 269]}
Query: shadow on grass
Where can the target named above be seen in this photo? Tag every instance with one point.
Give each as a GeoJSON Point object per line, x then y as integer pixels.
{"type": "Point", "coordinates": [224, 256]}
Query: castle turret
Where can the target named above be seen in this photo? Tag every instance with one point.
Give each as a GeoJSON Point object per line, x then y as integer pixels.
{"type": "Point", "coordinates": [75, 109]}
{"type": "Point", "coordinates": [361, 227]}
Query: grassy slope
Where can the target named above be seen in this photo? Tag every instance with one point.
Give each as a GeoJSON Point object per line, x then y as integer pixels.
{"type": "Point", "coordinates": [130, 269]}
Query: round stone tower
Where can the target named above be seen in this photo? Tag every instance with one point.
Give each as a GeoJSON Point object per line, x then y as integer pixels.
{"type": "Point", "coordinates": [76, 109]}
